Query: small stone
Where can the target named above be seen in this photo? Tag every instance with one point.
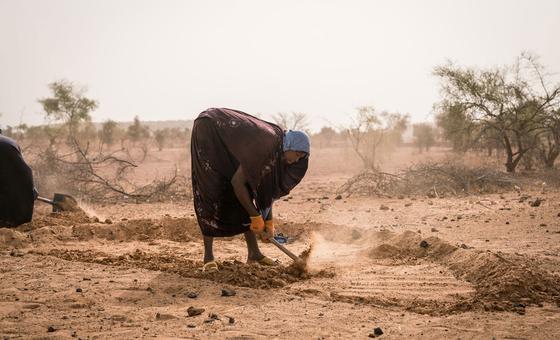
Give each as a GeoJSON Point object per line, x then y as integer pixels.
{"type": "Point", "coordinates": [16, 253]}
{"type": "Point", "coordinates": [434, 230]}
{"type": "Point", "coordinates": [78, 290]}
{"type": "Point", "coordinates": [51, 329]}
{"type": "Point", "coordinates": [424, 244]}
{"type": "Point", "coordinates": [231, 320]}
{"type": "Point", "coordinates": [192, 295]}
{"type": "Point", "coordinates": [228, 292]}
{"type": "Point", "coordinates": [408, 204]}
{"type": "Point", "coordinates": [338, 197]}
{"type": "Point", "coordinates": [190, 325]}
{"type": "Point", "coordinates": [543, 224]}
{"type": "Point", "coordinates": [536, 203]}
{"type": "Point", "coordinates": [108, 221]}
{"type": "Point", "coordinates": [383, 207]}
{"type": "Point", "coordinates": [73, 334]}
{"type": "Point", "coordinates": [96, 219]}
{"type": "Point", "coordinates": [507, 222]}
{"type": "Point", "coordinates": [376, 332]}
{"type": "Point", "coordinates": [464, 246]}
{"type": "Point", "coordinates": [193, 311]}
{"type": "Point", "coordinates": [212, 317]}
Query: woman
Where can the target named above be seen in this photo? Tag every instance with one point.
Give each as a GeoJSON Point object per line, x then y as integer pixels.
{"type": "Point", "coordinates": [17, 193]}
{"type": "Point", "coordinates": [240, 165]}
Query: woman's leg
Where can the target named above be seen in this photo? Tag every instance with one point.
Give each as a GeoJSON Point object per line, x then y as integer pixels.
{"type": "Point", "coordinates": [208, 249]}
{"type": "Point", "coordinates": [253, 251]}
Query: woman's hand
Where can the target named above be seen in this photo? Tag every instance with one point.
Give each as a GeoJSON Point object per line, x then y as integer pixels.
{"type": "Point", "coordinates": [268, 231]}
{"type": "Point", "coordinates": [257, 224]}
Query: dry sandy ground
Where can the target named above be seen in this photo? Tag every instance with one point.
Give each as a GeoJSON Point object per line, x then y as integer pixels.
{"type": "Point", "coordinates": [476, 267]}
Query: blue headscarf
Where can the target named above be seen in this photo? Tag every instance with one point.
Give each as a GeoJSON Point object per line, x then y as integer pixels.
{"type": "Point", "coordinates": [296, 141]}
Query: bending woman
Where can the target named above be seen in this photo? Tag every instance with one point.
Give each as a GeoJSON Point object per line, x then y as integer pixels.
{"type": "Point", "coordinates": [240, 165]}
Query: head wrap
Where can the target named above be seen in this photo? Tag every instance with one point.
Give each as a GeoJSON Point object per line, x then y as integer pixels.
{"type": "Point", "coordinates": [296, 141]}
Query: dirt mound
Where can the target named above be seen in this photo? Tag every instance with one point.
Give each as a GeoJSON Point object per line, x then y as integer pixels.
{"type": "Point", "coordinates": [168, 228]}
{"type": "Point", "coordinates": [502, 282]}
{"type": "Point", "coordinates": [65, 218]}
{"type": "Point", "coordinates": [409, 247]}
{"type": "Point", "coordinates": [11, 238]}
{"type": "Point", "coordinates": [230, 272]}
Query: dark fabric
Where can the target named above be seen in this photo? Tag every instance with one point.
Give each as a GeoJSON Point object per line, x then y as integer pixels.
{"type": "Point", "coordinates": [16, 185]}
{"type": "Point", "coordinates": [223, 139]}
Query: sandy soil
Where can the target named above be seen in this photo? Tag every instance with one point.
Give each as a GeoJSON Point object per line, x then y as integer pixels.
{"type": "Point", "coordinates": [472, 267]}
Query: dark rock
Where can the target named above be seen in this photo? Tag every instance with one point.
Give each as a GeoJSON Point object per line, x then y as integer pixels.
{"type": "Point", "coordinates": [73, 334]}
{"type": "Point", "coordinates": [212, 317]}
{"type": "Point", "coordinates": [108, 221]}
{"type": "Point", "coordinates": [536, 203]}
{"type": "Point", "coordinates": [192, 295]}
{"type": "Point", "coordinates": [231, 320]}
{"type": "Point", "coordinates": [338, 197]}
{"type": "Point", "coordinates": [190, 325]}
{"type": "Point", "coordinates": [16, 253]}
{"type": "Point", "coordinates": [434, 230]}
{"type": "Point", "coordinates": [78, 290]}
{"type": "Point", "coordinates": [383, 207]}
{"type": "Point", "coordinates": [356, 234]}
{"type": "Point", "coordinates": [51, 329]}
{"type": "Point", "coordinates": [228, 292]}
{"type": "Point", "coordinates": [424, 244]}
{"type": "Point", "coordinates": [376, 332]}
{"type": "Point", "coordinates": [193, 311]}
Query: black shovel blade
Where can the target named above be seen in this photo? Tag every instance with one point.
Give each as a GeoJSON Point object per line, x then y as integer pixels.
{"type": "Point", "coordinates": [64, 202]}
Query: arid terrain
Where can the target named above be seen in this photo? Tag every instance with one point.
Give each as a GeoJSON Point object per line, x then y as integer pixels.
{"type": "Point", "coordinates": [459, 267]}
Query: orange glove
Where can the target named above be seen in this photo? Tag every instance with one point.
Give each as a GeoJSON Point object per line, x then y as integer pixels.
{"type": "Point", "coordinates": [268, 230]}
{"type": "Point", "coordinates": [257, 224]}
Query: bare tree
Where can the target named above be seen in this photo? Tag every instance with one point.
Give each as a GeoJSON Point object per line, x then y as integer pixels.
{"type": "Point", "coordinates": [83, 167]}
{"type": "Point", "coordinates": [291, 121]}
{"type": "Point", "coordinates": [371, 130]}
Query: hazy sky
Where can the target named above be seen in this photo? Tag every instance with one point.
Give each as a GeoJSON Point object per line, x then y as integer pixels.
{"type": "Point", "coordinates": [172, 59]}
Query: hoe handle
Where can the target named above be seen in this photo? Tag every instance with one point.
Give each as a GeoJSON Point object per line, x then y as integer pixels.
{"type": "Point", "coordinates": [284, 249]}
{"type": "Point", "coordinates": [46, 200]}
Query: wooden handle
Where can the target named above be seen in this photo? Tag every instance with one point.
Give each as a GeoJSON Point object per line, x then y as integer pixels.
{"type": "Point", "coordinates": [46, 200]}
{"type": "Point", "coordinates": [284, 249]}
